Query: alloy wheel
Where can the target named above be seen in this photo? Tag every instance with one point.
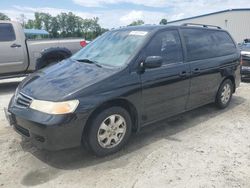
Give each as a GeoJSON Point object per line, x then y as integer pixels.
{"type": "Point", "coordinates": [111, 131]}
{"type": "Point", "coordinates": [226, 94]}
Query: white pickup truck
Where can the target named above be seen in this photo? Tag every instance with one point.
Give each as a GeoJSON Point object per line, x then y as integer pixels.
{"type": "Point", "coordinates": [19, 56]}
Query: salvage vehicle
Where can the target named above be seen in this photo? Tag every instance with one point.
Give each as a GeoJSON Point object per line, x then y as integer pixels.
{"type": "Point", "coordinates": [245, 60]}
{"type": "Point", "coordinates": [122, 81]}
{"type": "Point", "coordinates": [19, 56]}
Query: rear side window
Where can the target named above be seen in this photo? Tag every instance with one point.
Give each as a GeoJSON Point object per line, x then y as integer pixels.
{"type": "Point", "coordinates": [200, 44]}
{"type": "Point", "coordinates": [225, 44]}
{"type": "Point", "coordinates": [6, 32]}
{"type": "Point", "coordinates": [166, 44]}
{"type": "Point", "coordinates": [204, 44]}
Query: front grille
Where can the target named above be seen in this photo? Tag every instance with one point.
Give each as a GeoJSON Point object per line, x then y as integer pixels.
{"type": "Point", "coordinates": [23, 100]}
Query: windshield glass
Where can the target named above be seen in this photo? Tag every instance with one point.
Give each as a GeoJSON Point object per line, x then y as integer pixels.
{"type": "Point", "coordinates": [113, 48]}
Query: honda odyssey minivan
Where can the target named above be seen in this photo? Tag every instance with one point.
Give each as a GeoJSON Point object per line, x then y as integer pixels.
{"type": "Point", "coordinates": [122, 81]}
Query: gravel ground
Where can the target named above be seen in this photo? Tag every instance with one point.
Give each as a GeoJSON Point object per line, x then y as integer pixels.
{"type": "Point", "coordinates": [202, 148]}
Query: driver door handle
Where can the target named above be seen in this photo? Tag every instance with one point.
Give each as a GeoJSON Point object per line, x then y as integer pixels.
{"type": "Point", "coordinates": [15, 45]}
{"type": "Point", "coordinates": [183, 74]}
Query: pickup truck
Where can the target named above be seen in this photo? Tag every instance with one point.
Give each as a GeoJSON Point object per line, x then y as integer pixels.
{"type": "Point", "coordinates": [19, 56]}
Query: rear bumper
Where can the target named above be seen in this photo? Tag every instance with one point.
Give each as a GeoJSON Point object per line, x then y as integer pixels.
{"type": "Point", "coordinates": [50, 132]}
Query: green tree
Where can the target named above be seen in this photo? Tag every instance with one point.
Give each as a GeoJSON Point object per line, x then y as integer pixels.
{"type": "Point", "coordinates": [138, 22]}
{"type": "Point", "coordinates": [62, 21]}
{"type": "Point", "coordinates": [66, 25]}
{"type": "Point", "coordinates": [45, 21]}
{"type": "Point", "coordinates": [163, 21]}
{"type": "Point", "coordinates": [30, 24]}
{"type": "Point", "coordinates": [38, 21]}
{"type": "Point", "coordinates": [4, 17]}
{"type": "Point", "coordinates": [54, 27]}
{"type": "Point", "coordinates": [71, 24]}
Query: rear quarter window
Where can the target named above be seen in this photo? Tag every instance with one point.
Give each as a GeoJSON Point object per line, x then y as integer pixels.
{"type": "Point", "coordinates": [225, 44]}
{"type": "Point", "coordinates": [7, 32]}
{"type": "Point", "coordinates": [204, 44]}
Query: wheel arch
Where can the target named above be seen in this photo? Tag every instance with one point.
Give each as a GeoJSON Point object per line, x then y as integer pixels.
{"type": "Point", "coordinates": [54, 52]}
{"type": "Point", "coordinates": [230, 77]}
{"type": "Point", "coordinates": [120, 102]}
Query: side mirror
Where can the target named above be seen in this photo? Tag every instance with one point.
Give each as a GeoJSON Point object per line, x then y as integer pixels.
{"type": "Point", "coordinates": [152, 62]}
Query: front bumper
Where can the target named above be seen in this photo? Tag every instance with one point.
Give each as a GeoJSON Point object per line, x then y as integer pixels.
{"type": "Point", "coordinates": [245, 66]}
{"type": "Point", "coordinates": [245, 72]}
{"type": "Point", "coordinates": [45, 131]}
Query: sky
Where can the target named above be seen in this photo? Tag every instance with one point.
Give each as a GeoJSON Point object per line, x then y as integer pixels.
{"type": "Point", "coordinates": [116, 13]}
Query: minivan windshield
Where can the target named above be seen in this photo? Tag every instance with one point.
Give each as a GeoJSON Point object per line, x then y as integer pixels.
{"type": "Point", "coordinates": [112, 48]}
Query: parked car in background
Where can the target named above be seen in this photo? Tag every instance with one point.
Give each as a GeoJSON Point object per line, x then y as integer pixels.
{"type": "Point", "coordinates": [124, 80]}
{"type": "Point", "coordinates": [19, 56]}
{"type": "Point", "coordinates": [245, 60]}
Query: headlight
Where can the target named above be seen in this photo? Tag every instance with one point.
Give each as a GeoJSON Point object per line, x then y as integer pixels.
{"type": "Point", "coordinates": [54, 107]}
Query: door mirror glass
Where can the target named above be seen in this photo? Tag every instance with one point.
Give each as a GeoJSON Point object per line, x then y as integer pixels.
{"type": "Point", "coordinates": [153, 62]}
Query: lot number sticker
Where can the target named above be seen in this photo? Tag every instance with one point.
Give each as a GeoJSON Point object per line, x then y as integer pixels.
{"type": "Point", "coordinates": [140, 33]}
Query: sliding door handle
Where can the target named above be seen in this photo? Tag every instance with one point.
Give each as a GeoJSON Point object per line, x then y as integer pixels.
{"type": "Point", "coordinates": [196, 71]}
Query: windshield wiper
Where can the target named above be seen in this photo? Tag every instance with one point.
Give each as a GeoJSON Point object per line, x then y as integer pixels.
{"type": "Point", "coordinates": [89, 61]}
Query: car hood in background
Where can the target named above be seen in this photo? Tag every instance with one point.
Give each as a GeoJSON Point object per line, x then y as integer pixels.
{"type": "Point", "coordinates": [62, 80]}
{"type": "Point", "coordinates": [245, 51]}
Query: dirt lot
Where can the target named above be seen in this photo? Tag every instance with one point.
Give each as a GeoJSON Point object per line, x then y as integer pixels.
{"type": "Point", "coordinates": [202, 148]}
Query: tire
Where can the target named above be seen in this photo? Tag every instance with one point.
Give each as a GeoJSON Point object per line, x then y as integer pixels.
{"type": "Point", "coordinates": [52, 61]}
{"type": "Point", "coordinates": [224, 94]}
{"type": "Point", "coordinates": [51, 58]}
{"type": "Point", "coordinates": [101, 139]}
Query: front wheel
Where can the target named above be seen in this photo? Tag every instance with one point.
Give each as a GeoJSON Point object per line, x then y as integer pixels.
{"type": "Point", "coordinates": [224, 94]}
{"type": "Point", "coordinates": [109, 131]}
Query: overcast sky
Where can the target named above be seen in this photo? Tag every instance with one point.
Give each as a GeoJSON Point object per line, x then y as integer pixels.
{"type": "Point", "coordinates": [115, 13]}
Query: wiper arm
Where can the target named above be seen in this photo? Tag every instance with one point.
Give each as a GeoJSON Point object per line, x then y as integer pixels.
{"type": "Point", "coordinates": [89, 61]}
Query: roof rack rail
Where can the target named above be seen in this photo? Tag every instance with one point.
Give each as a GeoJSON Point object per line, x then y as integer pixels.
{"type": "Point", "coordinates": [202, 25]}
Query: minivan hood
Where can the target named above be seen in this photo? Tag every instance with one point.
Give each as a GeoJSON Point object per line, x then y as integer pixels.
{"type": "Point", "coordinates": [62, 80]}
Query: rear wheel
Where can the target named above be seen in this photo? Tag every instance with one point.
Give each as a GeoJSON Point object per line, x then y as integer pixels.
{"type": "Point", "coordinates": [224, 94]}
{"type": "Point", "coordinates": [109, 131]}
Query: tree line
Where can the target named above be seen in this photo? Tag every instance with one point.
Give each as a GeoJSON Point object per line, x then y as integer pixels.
{"type": "Point", "coordinates": [67, 24]}
{"type": "Point", "coordinates": [62, 25]}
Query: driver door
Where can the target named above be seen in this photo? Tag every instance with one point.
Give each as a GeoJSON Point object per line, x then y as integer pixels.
{"type": "Point", "coordinates": [165, 89]}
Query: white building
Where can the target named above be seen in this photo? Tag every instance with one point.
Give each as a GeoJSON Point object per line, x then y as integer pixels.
{"type": "Point", "coordinates": [236, 21]}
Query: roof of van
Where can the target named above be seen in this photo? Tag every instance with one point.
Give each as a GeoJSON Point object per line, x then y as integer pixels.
{"type": "Point", "coordinates": [159, 27]}
{"type": "Point", "coordinates": [145, 27]}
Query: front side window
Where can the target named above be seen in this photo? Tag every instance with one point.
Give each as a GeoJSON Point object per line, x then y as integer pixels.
{"type": "Point", "coordinates": [166, 44]}
{"type": "Point", "coordinates": [6, 32]}
{"type": "Point", "coordinates": [113, 48]}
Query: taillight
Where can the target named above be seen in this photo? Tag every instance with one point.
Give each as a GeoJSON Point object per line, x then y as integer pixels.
{"type": "Point", "coordinates": [83, 43]}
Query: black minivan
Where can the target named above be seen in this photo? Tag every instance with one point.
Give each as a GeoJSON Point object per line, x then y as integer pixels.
{"type": "Point", "coordinates": [122, 81]}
